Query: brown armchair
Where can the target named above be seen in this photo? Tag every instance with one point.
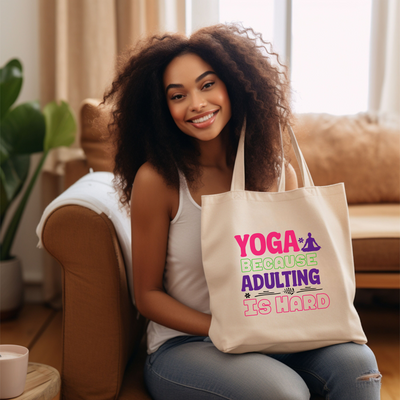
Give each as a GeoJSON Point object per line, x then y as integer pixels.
{"type": "Point", "coordinates": [103, 343]}
{"type": "Point", "coordinates": [103, 336]}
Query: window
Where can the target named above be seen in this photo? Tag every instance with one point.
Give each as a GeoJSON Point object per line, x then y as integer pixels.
{"type": "Point", "coordinates": [330, 55]}
{"type": "Point", "coordinates": [256, 14]}
{"type": "Point", "coordinates": [328, 42]}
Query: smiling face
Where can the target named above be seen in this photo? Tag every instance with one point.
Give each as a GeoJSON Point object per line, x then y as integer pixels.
{"type": "Point", "coordinates": [197, 99]}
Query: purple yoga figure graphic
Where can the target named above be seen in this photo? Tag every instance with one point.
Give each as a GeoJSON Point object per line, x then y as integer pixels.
{"type": "Point", "coordinates": [311, 244]}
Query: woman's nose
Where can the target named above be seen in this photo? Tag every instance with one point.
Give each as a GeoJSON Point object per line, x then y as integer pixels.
{"type": "Point", "coordinates": [198, 102]}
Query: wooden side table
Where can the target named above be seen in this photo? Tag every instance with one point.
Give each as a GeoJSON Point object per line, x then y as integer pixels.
{"type": "Point", "coordinates": [42, 382]}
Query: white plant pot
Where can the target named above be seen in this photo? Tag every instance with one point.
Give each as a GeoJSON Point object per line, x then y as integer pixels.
{"type": "Point", "coordinates": [11, 288]}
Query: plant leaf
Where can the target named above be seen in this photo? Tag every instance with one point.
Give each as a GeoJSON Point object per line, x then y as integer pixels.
{"type": "Point", "coordinates": [10, 85]}
{"type": "Point", "coordinates": [12, 228]}
{"type": "Point", "coordinates": [4, 203]}
{"type": "Point", "coordinates": [13, 174]}
{"type": "Point", "coordinates": [22, 130]}
{"type": "Point", "coordinates": [5, 148]}
{"type": "Point", "coordinates": [60, 125]}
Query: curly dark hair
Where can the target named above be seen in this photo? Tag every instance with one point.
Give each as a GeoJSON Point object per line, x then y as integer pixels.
{"type": "Point", "coordinates": [143, 128]}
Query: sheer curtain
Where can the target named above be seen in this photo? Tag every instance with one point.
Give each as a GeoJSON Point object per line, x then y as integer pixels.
{"type": "Point", "coordinates": [79, 42]}
{"type": "Point", "coordinates": [384, 95]}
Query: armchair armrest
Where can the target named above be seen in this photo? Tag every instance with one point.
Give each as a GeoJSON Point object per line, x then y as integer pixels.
{"type": "Point", "coordinates": [101, 328]}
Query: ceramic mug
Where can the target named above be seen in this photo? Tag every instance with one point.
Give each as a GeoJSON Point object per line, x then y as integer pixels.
{"type": "Point", "coordinates": [13, 370]}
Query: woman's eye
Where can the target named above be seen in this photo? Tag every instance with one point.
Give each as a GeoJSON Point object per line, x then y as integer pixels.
{"type": "Point", "coordinates": [208, 85]}
{"type": "Point", "coordinates": [177, 97]}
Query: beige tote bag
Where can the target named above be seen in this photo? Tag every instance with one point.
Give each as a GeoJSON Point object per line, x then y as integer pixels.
{"type": "Point", "coordinates": [279, 265]}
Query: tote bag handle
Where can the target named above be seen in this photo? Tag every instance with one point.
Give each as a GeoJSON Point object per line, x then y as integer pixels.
{"type": "Point", "coordinates": [238, 178]}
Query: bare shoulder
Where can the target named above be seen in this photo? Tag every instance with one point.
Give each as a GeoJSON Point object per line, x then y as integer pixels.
{"type": "Point", "coordinates": [149, 177]}
{"type": "Point", "coordinates": [291, 178]}
{"type": "Point", "coordinates": [151, 193]}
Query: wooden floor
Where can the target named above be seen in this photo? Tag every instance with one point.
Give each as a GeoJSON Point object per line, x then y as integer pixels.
{"type": "Point", "coordinates": [39, 329]}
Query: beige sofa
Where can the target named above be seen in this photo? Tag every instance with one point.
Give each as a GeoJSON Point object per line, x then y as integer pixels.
{"type": "Point", "coordinates": [103, 345]}
{"type": "Point", "coordinates": [365, 156]}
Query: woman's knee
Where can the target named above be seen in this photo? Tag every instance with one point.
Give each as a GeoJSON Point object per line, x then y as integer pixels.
{"type": "Point", "coordinates": [356, 362]}
{"type": "Point", "coordinates": [361, 355]}
{"type": "Point", "coordinates": [368, 361]}
{"type": "Point", "coordinates": [356, 374]}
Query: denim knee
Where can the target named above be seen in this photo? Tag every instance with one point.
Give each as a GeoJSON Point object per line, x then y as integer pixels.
{"type": "Point", "coordinates": [362, 357]}
{"type": "Point", "coordinates": [356, 374]}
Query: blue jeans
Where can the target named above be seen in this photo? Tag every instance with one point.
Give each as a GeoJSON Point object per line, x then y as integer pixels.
{"type": "Point", "coordinates": [191, 367]}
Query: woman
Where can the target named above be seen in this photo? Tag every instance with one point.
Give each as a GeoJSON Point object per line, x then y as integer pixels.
{"type": "Point", "coordinates": [179, 105]}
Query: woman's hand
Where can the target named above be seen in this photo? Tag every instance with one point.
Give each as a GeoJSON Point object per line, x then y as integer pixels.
{"type": "Point", "coordinates": [152, 206]}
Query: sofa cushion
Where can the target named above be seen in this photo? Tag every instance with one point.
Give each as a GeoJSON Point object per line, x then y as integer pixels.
{"type": "Point", "coordinates": [375, 232]}
{"type": "Point", "coordinates": [95, 139]}
{"type": "Point", "coordinates": [375, 221]}
{"type": "Point", "coordinates": [353, 149]}
{"type": "Point", "coordinates": [376, 255]}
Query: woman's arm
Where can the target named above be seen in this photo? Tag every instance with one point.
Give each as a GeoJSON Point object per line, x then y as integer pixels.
{"type": "Point", "coordinates": [151, 208]}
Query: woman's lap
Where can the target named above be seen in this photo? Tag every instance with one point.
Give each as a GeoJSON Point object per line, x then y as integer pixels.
{"type": "Point", "coordinates": [190, 367]}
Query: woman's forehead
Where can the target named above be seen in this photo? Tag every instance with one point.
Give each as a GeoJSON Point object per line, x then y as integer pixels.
{"type": "Point", "coordinates": [186, 67]}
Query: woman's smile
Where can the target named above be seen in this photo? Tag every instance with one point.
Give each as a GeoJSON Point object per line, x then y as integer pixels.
{"type": "Point", "coordinates": [197, 98]}
{"type": "Point", "coordinates": [204, 120]}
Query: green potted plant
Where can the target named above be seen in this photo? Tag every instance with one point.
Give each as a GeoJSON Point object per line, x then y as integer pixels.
{"type": "Point", "coordinates": [24, 130]}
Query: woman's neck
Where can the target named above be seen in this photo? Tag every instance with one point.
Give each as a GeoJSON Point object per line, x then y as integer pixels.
{"type": "Point", "coordinates": [213, 154]}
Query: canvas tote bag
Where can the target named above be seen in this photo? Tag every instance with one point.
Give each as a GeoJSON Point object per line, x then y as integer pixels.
{"type": "Point", "coordinates": [279, 265]}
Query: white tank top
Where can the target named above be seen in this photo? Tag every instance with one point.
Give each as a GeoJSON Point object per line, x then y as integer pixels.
{"type": "Point", "coordinates": [184, 278]}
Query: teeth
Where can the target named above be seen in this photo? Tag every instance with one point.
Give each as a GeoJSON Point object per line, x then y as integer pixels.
{"type": "Point", "coordinates": [205, 118]}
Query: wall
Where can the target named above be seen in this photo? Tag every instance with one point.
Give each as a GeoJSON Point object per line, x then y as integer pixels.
{"type": "Point", "coordinates": [19, 38]}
